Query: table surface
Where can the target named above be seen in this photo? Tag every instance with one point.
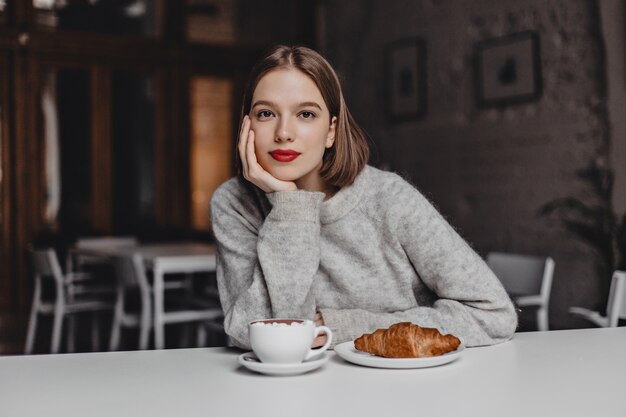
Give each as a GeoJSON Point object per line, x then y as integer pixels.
{"type": "Point", "coordinates": [557, 373]}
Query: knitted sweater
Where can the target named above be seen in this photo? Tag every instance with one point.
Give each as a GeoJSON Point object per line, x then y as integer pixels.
{"type": "Point", "coordinates": [374, 254]}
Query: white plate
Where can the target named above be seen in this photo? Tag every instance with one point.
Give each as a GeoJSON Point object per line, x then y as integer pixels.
{"type": "Point", "coordinates": [250, 361]}
{"type": "Point", "coordinates": [348, 352]}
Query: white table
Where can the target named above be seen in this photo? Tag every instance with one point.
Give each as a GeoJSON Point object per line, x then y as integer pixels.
{"type": "Point", "coordinates": [162, 259]}
{"type": "Point", "coordinates": [558, 373]}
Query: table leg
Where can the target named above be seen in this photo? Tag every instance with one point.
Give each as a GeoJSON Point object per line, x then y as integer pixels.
{"type": "Point", "coordinates": [159, 336]}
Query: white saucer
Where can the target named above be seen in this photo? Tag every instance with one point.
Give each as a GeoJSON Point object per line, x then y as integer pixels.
{"type": "Point", "coordinates": [250, 361]}
{"type": "Point", "coordinates": [348, 352]}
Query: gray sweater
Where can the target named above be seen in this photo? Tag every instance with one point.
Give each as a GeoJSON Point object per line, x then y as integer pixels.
{"type": "Point", "coordinates": [374, 254]}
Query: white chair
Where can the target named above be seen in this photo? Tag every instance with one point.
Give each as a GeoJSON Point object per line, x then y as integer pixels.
{"type": "Point", "coordinates": [73, 293]}
{"type": "Point", "coordinates": [79, 260]}
{"type": "Point", "coordinates": [132, 276]}
{"type": "Point", "coordinates": [615, 308]}
{"type": "Point", "coordinates": [527, 279]}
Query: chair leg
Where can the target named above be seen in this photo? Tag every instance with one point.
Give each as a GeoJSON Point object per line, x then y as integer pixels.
{"type": "Point", "coordinates": [95, 331]}
{"type": "Point", "coordinates": [201, 335]}
{"type": "Point", "coordinates": [71, 334]}
{"type": "Point", "coordinates": [116, 325]}
{"type": "Point", "coordinates": [71, 323]}
{"type": "Point", "coordinates": [114, 340]}
{"type": "Point", "coordinates": [542, 319]}
{"type": "Point", "coordinates": [145, 322]}
{"type": "Point", "coordinates": [57, 327]}
{"type": "Point", "coordinates": [32, 322]}
{"type": "Point", "coordinates": [144, 332]}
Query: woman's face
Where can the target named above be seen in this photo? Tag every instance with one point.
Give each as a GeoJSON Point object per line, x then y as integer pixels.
{"type": "Point", "coordinates": [292, 127]}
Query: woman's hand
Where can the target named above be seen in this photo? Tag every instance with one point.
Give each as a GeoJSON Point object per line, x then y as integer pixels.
{"type": "Point", "coordinates": [319, 340]}
{"type": "Point", "coordinates": [254, 172]}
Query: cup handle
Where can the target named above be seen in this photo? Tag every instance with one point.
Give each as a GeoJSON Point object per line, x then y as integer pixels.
{"type": "Point", "coordinates": [329, 338]}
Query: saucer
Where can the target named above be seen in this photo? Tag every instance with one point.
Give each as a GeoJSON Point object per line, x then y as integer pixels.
{"type": "Point", "coordinates": [348, 352]}
{"type": "Point", "coordinates": [250, 361]}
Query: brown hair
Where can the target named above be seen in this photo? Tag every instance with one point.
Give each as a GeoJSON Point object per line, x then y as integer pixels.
{"type": "Point", "coordinates": [346, 158]}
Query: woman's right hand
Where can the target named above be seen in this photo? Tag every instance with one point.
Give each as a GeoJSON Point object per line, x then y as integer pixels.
{"type": "Point", "coordinates": [254, 172]}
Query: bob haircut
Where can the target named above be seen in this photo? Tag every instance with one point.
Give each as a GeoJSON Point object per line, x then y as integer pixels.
{"type": "Point", "coordinates": [350, 151]}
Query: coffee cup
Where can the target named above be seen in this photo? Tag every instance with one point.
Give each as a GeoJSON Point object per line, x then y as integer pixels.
{"type": "Point", "coordinates": [286, 341]}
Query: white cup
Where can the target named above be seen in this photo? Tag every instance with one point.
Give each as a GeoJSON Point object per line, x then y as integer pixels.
{"type": "Point", "coordinates": [286, 340]}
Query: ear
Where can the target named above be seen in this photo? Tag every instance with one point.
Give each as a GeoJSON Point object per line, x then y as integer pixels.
{"type": "Point", "coordinates": [330, 139]}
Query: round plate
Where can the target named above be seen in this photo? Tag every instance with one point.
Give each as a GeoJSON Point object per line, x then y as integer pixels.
{"type": "Point", "coordinates": [250, 361]}
{"type": "Point", "coordinates": [348, 352]}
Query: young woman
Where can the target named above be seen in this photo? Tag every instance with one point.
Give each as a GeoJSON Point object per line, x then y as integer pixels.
{"type": "Point", "coordinates": [310, 231]}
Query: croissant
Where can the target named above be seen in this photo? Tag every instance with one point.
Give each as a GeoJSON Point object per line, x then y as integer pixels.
{"type": "Point", "coordinates": [407, 340]}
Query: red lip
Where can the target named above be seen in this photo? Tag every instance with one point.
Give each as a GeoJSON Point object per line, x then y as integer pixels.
{"type": "Point", "coordinates": [284, 155]}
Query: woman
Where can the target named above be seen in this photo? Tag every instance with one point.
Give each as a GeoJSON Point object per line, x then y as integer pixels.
{"type": "Point", "coordinates": [310, 231]}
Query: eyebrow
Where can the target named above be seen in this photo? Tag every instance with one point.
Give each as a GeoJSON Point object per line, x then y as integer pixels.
{"type": "Point", "coordinates": [303, 104]}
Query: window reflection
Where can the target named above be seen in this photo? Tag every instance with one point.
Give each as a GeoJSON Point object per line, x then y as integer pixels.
{"type": "Point", "coordinates": [211, 145]}
{"type": "Point", "coordinates": [66, 104]}
{"type": "Point", "coordinates": [3, 6]}
{"type": "Point", "coordinates": [132, 112]}
{"type": "Point", "coordinates": [52, 157]}
{"type": "Point", "coordinates": [245, 22]}
{"type": "Point", "coordinates": [121, 17]}
{"type": "Point", "coordinates": [211, 21]}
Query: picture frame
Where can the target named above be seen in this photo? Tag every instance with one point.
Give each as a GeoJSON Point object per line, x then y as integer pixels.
{"type": "Point", "coordinates": [405, 80]}
{"type": "Point", "coordinates": [508, 70]}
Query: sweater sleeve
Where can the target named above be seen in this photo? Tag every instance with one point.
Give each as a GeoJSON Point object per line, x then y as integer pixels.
{"type": "Point", "coordinates": [471, 302]}
{"type": "Point", "coordinates": [266, 266]}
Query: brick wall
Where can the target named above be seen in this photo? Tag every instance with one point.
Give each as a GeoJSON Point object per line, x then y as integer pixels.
{"type": "Point", "coordinates": [488, 170]}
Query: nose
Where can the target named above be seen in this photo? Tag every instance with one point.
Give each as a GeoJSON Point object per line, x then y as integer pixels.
{"type": "Point", "coordinates": [283, 132]}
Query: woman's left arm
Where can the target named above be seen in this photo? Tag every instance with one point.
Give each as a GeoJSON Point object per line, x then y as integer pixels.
{"type": "Point", "coordinates": [471, 304]}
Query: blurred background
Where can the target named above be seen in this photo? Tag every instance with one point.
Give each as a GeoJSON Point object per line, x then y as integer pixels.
{"type": "Point", "coordinates": [119, 117]}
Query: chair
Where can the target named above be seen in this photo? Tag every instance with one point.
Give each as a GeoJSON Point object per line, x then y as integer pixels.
{"type": "Point", "coordinates": [98, 266]}
{"type": "Point", "coordinates": [73, 293]}
{"type": "Point", "coordinates": [132, 275]}
{"type": "Point", "coordinates": [616, 306]}
{"type": "Point", "coordinates": [527, 279]}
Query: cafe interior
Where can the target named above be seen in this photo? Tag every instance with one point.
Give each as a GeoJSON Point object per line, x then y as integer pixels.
{"type": "Point", "coordinates": [119, 118]}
